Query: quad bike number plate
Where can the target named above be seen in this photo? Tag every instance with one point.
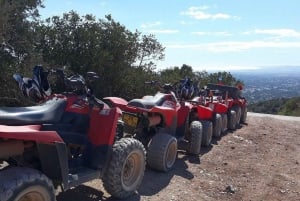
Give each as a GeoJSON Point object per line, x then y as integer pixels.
{"type": "Point", "coordinates": [130, 120]}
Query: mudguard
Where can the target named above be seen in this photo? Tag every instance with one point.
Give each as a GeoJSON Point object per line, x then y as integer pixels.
{"type": "Point", "coordinates": [218, 107]}
{"type": "Point", "coordinates": [103, 123]}
{"type": "Point", "coordinates": [117, 102]}
{"type": "Point", "coordinates": [30, 133]}
{"type": "Point", "coordinates": [204, 113]}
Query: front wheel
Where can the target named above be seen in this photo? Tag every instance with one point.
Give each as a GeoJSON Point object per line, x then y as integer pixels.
{"type": "Point", "coordinates": [244, 115]}
{"type": "Point", "coordinates": [217, 125]}
{"type": "Point", "coordinates": [224, 123]}
{"type": "Point", "coordinates": [232, 120]}
{"type": "Point", "coordinates": [207, 133]}
{"type": "Point", "coordinates": [126, 168]}
{"type": "Point", "coordinates": [25, 184]}
{"type": "Point", "coordinates": [238, 112]}
{"type": "Point", "coordinates": [195, 138]}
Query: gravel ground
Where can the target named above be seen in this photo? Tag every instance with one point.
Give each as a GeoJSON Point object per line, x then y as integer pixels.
{"type": "Point", "coordinates": [259, 161]}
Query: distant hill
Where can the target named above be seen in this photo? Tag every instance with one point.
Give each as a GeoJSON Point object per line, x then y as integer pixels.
{"type": "Point", "coordinates": [270, 83]}
{"type": "Point", "coordinates": [281, 106]}
{"type": "Point", "coordinates": [270, 70]}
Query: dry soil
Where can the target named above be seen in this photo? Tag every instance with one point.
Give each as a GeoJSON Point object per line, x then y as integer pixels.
{"type": "Point", "coordinates": [259, 161]}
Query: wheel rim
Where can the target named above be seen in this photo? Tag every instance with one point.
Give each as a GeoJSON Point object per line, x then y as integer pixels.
{"type": "Point", "coordinates": [34, 193]}
{"type": "Point", "coordinates": [131, 171]}
{"type": "Point", "coordinates": [31, 196]}
{"type": "Point", "coordinates": [171, 155]}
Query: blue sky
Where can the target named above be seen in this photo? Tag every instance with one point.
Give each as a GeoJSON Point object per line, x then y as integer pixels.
{"type": "Point", "coordinates": [207, 34]}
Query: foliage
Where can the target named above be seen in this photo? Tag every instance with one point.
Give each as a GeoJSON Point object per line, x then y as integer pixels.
{"type": "Point", "coordinates": [291, 107]}
{"type": "Point", "coordinates": [199, 78]}
{"type": "Point", "coordinates": [225, 78]}
{"type": "Point", "coordinates": [123, 59]}
{"type": "Point", "coordinates": [17, 19]}
{"type": "Point", "coordinates": [103, 46]}
{"type": "Point", "coordinates": [282, 106]}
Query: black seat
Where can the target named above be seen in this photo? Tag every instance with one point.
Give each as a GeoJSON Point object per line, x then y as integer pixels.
{"type": "Point", "coordinates": [47, 113]}
{"type": "Point", "coordinates": [149, 101]}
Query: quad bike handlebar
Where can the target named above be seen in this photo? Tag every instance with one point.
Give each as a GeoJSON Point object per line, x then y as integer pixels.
{"type": "Point", "coordinates": [81, 85]}
{"type": "Point", "coordinates": [184, 89]}
{"type": "Point", "coordinates": [166, 88]}
{"type": "Point", "coordinates": [35, 89]}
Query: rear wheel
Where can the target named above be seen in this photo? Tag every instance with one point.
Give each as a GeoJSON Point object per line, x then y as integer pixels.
{"type": "Point", "coordinates": [217, 125]}
{"type": "Point", "coordinates": [207, 133]}
{"type": "Point", "coordinates": [126, 168]}
{"type": "Point", "coordinates": [162, 152]}
{"type": "Point", "coordinates": [195, 138]}
{"type": "Point", "coordinates": [25, 184]}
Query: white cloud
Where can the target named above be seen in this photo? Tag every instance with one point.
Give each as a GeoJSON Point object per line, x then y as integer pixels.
{"type": "Point", "coordinates": [163, 31]}
{"type": "Point", "coordinates": [220, 33]}
{"type": "Point", "coordinates": [151, 24]}
{"type": "Point", "coordinates": [200, 13]}
{"type": "Point", "coordinates": [278, 32]}
{"type": "Point", "coordinates": [234, 46]}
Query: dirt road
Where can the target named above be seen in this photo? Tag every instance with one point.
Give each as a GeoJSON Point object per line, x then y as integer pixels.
{"type": "Point", "coordinates": [259, 161]}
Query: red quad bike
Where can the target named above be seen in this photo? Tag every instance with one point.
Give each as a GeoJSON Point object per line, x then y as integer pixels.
{"type": "Point", "coordinates": [212, 113]}
{"type": "Point", "coordinates": [237, 105]}
{"type": "Point", "coordinates": [160, 122]}
{"type": "Point", "coordinates": [198, 112]}
{"type": "Point", "coordinates": [66, 140]}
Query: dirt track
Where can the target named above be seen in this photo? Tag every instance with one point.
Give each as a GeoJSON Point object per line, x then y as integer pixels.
{"type": "Point", "coordinates": [259, 161]}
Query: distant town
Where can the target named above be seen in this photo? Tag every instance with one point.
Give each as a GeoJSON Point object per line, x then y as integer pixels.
{"type": "Point", "coordinates": [270, 83]}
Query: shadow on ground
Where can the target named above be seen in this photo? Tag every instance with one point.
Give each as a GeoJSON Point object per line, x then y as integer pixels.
{"type": "Point", "coordinates": [152, 183]}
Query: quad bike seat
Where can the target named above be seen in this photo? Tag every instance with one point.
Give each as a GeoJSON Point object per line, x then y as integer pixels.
{"type": "Point", "coordinates": [148, 101]}
{"type": "Point", "coordinates": [233, 92]}
{"type": "Point", "coordinates": [50, 111]}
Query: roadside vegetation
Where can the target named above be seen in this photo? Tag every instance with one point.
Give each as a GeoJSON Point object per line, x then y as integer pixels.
{"type": "Point", "coordinates": [123, 59]}
{"type": "Point", "coordinates": [281, 106]}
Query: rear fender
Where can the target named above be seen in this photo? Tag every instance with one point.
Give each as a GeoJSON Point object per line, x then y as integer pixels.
{"type": "Point", "coordinates": [116, 102]}
{"type": "Point", "coordinates": [29, 133]}
{"type": "Point", "coordinates": [168, 114]}
{"type": "Point", "coordinates": [54, 162]}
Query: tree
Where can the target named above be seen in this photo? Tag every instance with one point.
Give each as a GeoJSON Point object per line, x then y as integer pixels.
{"type": "Point", "coordinates": [17, 20]}
{"type": "Point", "coordinates": [149, 49]}
{"type": "Point", "coordinates": [225, 78]}
{"type": "Point", "coordinates": [104, 46]}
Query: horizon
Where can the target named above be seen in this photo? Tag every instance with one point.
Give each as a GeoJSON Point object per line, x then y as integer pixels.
{"type": "Point", "coordinates": [205, 35]}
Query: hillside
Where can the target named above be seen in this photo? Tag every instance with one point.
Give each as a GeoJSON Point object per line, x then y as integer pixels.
{"type": "Point", "coordinates": [268, 83]}
{"type": "Point", "coordinates": [259, 161]}
{"type": "Point", "coordinates": [281, 106]}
